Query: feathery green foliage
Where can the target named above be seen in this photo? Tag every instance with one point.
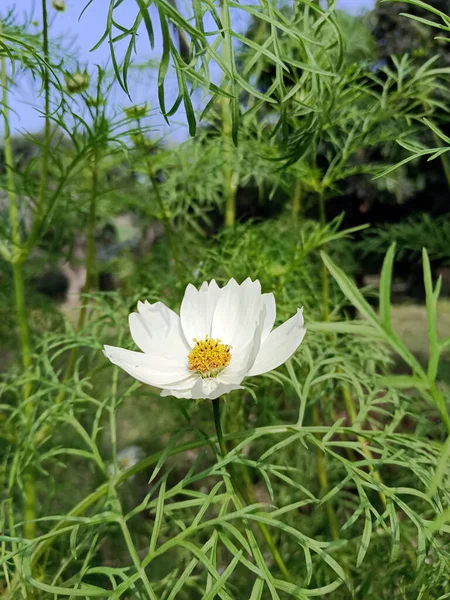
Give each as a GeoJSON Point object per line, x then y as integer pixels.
{"type": "Point", "coordinates": [107, 489]}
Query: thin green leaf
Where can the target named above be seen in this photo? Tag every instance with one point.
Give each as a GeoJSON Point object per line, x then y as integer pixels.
{"type": "Point", "coordinates": [350, 290]}
{"type": "Point", "coordinates": [395, 529]}
{"type": "Point", "coordinates": [425, 21]}
{"type": "Point", "coordinates": [402, 382]}
{"type": "Point", "coordinates": [441, 468]}
{"type": "Point", "coordinates": [220, 583]}
{"type": "Point", "coordinates": [190, 114]}
{"type": "Point", "coordinates": [158, 518]}
{"type": "Point", "coordinates": [260, 50]}
{"type": "Point", "coordinates": [431, 302]}
{"type": "Point", "coordinates": [366, 537]}
{"type": "Point", "coordinates": [143, 8]}
{"type": "Point", "coordinates": [164, 62]}
{"type": "Point", "coordinates": [73, 541]}
{"type": "Point", "coordinates": [257, 590]}
{"type": "Point", "coordinates": [385, 287]}
{"type": "Point", "coordinates": [395, 167]}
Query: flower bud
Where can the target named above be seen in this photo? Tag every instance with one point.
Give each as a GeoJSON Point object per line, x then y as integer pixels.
{"type": "Point", "coordinates": [136, 111]}
{"type": "Point", "coordinates": [76, 82]}
{"type": "Point", "coordinates": [59, 5]}
{"type": "Point", "coordinates": [95, 102]}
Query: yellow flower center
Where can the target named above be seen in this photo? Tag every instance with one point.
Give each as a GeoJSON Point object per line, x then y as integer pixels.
{"type": "Point", "coordinates": [208, 357]}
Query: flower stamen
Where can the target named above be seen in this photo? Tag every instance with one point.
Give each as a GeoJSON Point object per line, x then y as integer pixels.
{"type": "Point", "coordinates": [209, 356]}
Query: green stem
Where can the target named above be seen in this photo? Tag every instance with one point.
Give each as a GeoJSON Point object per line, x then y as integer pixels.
{"type": "Point", "coordinates": [136, 561]}
{"type": "Point", "coordinates": [440, 402]}
{"type": "Point", "coordinates": [91, 272]}
{"type": "Point", "coordinates": [297, 200]}
{"type": "Point", "coordinates": [19, 289]}
{"type": "Point", "coordinates": [47, 132]}
{"type": "Point", "coordinates": [29, 507]}
{"type": "Point", "coordinates": [39, 209]}
{"type": "Point", "coordinates": [325, 282]}
{"type": "Point", "coordinates": [24, 334]}
{"type": "Point", "coordinates": [218, 425]}
{"type": "Point", "coordinates": [21, 311]}
{"type": "Point", "coordinates": [323, 481]}
{"type": "Point", "coordinates": [321, 468]}
{"type": "Point", "coordinates": [245, 492]}
{"type": "Point", "coordinates": [112, 419]}
{"type": "Point", "coordinates": [12, 532]}
{"type": "Point", "coordinates": [166, 223]}
{"type": "Point", "coordinates": [229, 183]}
{"type": "Point", "coordinates": [350, 407]}
{"type": "Point", "coordinates": [164, 217]}
{"type": "Point", "coordinates": [444, 156]}
{"type": "Point", "coordinates": [446, 166]}
{"type": "Point", "coordinates": [90, 284]}
{"type": "Point", "coordinates": [91, 257]}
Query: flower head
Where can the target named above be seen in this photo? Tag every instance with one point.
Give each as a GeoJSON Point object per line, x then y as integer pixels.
{"type": "Point", "coordinates": [127, 458]}
{"type": "Point", "coordinates": [77, 81]}
{"type": "Point", "coordinates": [136, 111]}
{"type": "Point", "coordinates": [221, 336]}
{"type": "Point", "coordinates": [59, 5]}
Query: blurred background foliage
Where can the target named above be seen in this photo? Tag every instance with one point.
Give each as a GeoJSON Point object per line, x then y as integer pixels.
{"type": "Point", "coordinates": [322, 142]}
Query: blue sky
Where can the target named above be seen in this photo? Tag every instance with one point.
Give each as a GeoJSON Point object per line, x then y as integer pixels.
{"type": "Point", "coordinates": [82, 34]}
{"type": "Point", "coordinates": [355, 7]}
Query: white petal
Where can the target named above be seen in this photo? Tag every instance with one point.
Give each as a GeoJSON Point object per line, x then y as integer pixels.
{"type": "Point", "coordinates": [243, 357]}
{"type": "Point", "coordinates": [213, 291]}
{"type": "Point", "coordinates": [177, 393]}
{"type": "Point", "coordinates": [181, 389]}
{"type": "Point", "coordinates": [185, 384]}
{"type": "Point", "coordinates": [271, 313]}
{"type": "Point", "coordinates": [157, 315]}
{"type": "Point", "coordinates": [279, 345]}
{"type": "Point", "coordinates": [211, 388]}
{"type": "Point", "coordinates": [156, 329]}
{"type": "Point", "coordinates": [207, 388]}
{"type": "Point", "coordinates": [237, 313]}
{"type": "Point", "coordinates": [152, 370]}
{"type": "Point", "coordinates": [197, 309]}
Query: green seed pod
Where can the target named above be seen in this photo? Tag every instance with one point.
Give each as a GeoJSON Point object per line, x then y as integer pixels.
{"type": "Point", "coordinates": [76, 82]}
{"type": "Point", "coordinates": [59, 5]}
{"type": "Point", "coordinates": [136, 111]}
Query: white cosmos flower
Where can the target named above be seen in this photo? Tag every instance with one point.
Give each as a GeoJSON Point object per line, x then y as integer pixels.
{"type": "Point", "coordinates": [127, 458]}
{"type": "Point", "coordinates": [221, 336]}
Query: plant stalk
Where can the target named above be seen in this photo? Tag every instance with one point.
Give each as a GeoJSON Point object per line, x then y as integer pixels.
{"type": "Point", "coordinates": [21, 310]}
{"type": "Point", "coordinates": [166, 224]}
{"type": "Point", "coordinates": [323, 481]}
{"type": "Point", "coordinates": [164, 218]}
{"type": "Point", "coordinates": [229, 177]}
{"type": "Point", "coordinates": [321, 468]}
{"type": "Point", "coordinates": [47, 132]}
{"type": "Point", "coordinates": [245, 492]}
{"type": "Point", "coordinates": [135, 558]}
{"type": "Point", "coordinates": [40, 203]}
{"type": "Point", "coordinates": [350, 407]}
{"type": "Point", "coordinates": [229, 184]}
{"type": "Point", "coordinates": [325, 282]}
{"type": "Point", "coordinates": [91, 282]}
{"type": "Point", "coordinates": [297, 200]}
